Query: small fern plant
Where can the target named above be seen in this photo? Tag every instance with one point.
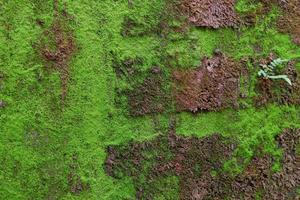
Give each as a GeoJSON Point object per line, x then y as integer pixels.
{"type": "Point", "coordinates": [268, 71]}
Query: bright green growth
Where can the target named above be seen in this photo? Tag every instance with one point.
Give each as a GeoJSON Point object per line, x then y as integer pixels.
{"type": "Point", "coordinates": [258, 195]}
{"type": "Point", "coordinates": [213, 173]}
{"type": "Point", "coordinates": [167, 188]}
{"type": "Point", "coordinates": [38, 141]}
{"type": "Point", "coordinates": [263, 38]}
{"type": "Point", "coordinates": [250, 127]}
{"type": "Point", "coordinates": [247, 6]}
{"type": "Point", "coordinates": [268, 71]}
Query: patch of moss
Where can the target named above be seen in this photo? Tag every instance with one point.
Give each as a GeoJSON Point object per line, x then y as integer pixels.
{"type": "Point", "coordinates": [263, 38]}
{"type": "Point", "coordinates": [247, 6]}
{"type": "Point", "coordinates": [251, 127]}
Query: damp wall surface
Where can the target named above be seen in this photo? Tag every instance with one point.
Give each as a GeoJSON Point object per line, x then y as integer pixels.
{"type": "Point", "coordinates": [113, 99]}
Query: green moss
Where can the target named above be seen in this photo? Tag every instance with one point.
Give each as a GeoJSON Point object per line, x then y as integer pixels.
{"type": "Point", "coordinates": [251, 128]}
{"type": "Point", "coordinates": [187, 51]}
{"type": "Point", "coordinates": [39, 137]}
{"type": "Point", "coordinates": [258, 195]}
{"type": "Point", "coordinates": [167, 189]}
{"type": "Point", "coordinates": [247, 6]}
{"type": "Point", "coordinates": [263, 39]}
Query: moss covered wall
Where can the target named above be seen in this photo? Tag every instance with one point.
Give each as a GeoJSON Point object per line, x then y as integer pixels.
{"type": "Point", "coordinates": [50, 151]}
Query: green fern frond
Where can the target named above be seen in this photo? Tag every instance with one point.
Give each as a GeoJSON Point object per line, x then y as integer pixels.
{"type": "Point", "coordinates": [268, 70]}
{"type": "Point", "coordinates": [284, 77]}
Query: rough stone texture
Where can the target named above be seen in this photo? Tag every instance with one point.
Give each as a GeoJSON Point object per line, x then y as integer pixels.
{"type": "Point", "coordinates": [283, 185]}
{"type": "Point", "coordinates": [189, 153]}
{"type": "Point", "coordinates": [198, 163]}
{"type": "Point", "coordinates": [210, 13]}
{"type": "Point", "coordinates": [278, 91]}
{"type": "Point", "coordinates": [148, 97]}
{"type": "Point", "coordinates": [290, 21]}
{"type": "Point", "coordinates": [195, 160]}
{"type": "Point", "coordinates": [213, 86]}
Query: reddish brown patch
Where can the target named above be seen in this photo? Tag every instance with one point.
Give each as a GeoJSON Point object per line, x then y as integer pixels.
{"type": "Point", "coordinates": [149, 97]}
{"type": "Point", "coordinates": [258, 176]}
{"type": "Point", "coordinates": [290, 94]}
{"type": "Point", "coordinates": [213, 86]}
{"type": "Point", "coordinates": [265, 92]}
{"type": "Point", "coordinates": [290, 21]}
{"type": "Point", "coordinates": [76, 185]}
{"type": "Point", "coordinates": [210, 13]}
{"type": "Point", "coordinates": [193, 161]}
{"type": "Point", "coordinates": [278, 91]}
{"type": "Point", "coordinates": [283, 184]}
{"type": "Point", "coordinates": [188, 153]}
{"type": "Point", "coordinates": [56, 48]}
{"type": "Point", "coordinates": [254, 178]}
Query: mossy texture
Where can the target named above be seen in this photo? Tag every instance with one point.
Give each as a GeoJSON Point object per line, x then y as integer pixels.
{"type": "Point", "coordinates": [41, 141]}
